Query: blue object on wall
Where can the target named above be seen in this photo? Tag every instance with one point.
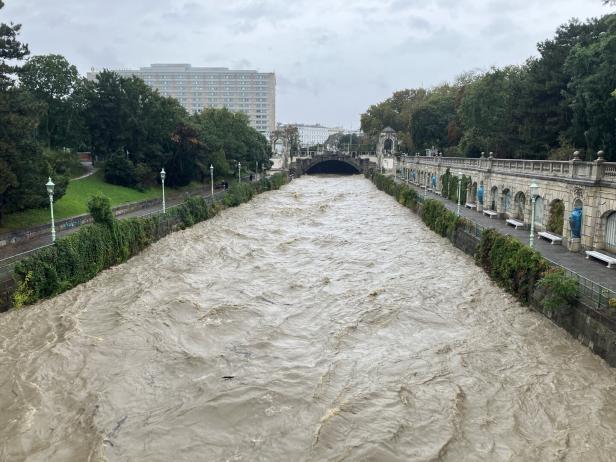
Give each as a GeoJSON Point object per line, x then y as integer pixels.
{"type": "Point", "coordinates": [433, 181]}
{"type": "Point", "coordinates": [575, 222]}
{"type": "Point", "coordinates": [480, 194]}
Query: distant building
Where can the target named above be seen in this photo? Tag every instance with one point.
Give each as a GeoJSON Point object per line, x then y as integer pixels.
{"type": "Point", "coordinates": [311, 135]}
{"type": "Point", "coordinates": [197, 88]}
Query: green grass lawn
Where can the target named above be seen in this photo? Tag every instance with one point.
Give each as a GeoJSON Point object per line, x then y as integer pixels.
{"type": "Point", "coordinates": [75, 200]}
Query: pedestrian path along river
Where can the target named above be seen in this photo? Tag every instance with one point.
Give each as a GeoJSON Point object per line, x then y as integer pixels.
{"type": "Point", "coordinates": [320, 322]}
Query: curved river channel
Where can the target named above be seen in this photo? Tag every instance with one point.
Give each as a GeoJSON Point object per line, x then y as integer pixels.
{"type": "Point", "coordinates": [321, 322]}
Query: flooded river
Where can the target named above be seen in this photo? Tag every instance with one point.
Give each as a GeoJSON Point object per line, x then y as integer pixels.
{"type": "Point", "coordinates": [322, 322]}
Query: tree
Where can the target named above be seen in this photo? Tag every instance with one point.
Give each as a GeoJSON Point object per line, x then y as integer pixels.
{"type": "Point", "coordinates": [51, 79]}
{"type": "Point", "coordinates": [189, 158]}
{"type": "Point", "coordinates": [23, 170]}
{"type": "Point", "coordinates": [592, 68]}
{"type": "Point", "coordinates": [10, 49]}
{"type": "Point", "coordinates": [432, 120]}
{"type": "Point", "coordinates": [221, 129]}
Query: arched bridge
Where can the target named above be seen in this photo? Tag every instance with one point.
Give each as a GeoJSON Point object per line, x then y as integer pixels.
{"type": "Point", "coordinates": [331, 163]}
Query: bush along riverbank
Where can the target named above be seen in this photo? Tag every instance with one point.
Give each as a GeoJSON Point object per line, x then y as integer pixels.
{"type": "Point", "coordinates": [80, 256]}
{"type": "Point", "coordinates": [515, 267]}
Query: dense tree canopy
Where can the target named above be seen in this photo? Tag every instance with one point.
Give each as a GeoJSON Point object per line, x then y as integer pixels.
{"type": "Point", "coordinates": [23, 168]}
{"type": "Point", "coordinates": [560, 101]}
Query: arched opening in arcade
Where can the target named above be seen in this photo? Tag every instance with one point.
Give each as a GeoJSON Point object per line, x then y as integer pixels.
{"type": "Point", "coordinates": [609, 231]}
{"type": "Point", "coordinates": [333, 166]}
{"type": "Point", "coordinates": [493, 198]}
{"type": "Point", "coordinates": [388, 145]}
{"type": "Point", "coordinates": [519, 205]}
{"type": "Point", "coordinates": [506, 205]}
{"type": "Point", "coordinates": [556, 219]}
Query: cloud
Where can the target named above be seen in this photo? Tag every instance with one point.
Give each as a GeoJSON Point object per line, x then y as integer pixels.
{"type": "Point", "coordinates": [333, 58]}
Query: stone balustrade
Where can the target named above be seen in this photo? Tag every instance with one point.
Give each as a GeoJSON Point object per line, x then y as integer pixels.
{"type": "Point", "coordinates": [575, 170]}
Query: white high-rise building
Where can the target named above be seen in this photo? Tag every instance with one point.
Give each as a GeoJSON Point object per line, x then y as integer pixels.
{"type": "Point", "coordinates": [197, 88]}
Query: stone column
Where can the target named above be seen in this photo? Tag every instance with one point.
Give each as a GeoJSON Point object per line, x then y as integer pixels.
{"type": "Point", "coordinates": [588, 238]}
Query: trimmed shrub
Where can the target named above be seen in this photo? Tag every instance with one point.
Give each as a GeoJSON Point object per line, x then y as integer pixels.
{"type": "Point", "coordinates": [511, 264]}
{"type": "Point", "coordinates": [560, 290]}
{"type": "Point", "coordinates": [99, 207]}
{"type": "Point", "coordinates": [439, 219]}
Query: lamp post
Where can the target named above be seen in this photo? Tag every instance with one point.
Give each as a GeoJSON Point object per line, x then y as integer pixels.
{"type": "Point", "coordinates": [534, 191]}
{"type": "Point", "coordinates": [460, 174]}
{"type": "Point", "coordinates": [163, 174]}
{"type": "Point", "coordinates": [257, 172]}
{"type": "Point", "coordinates": [212, 178]}
{"type": "Point", "coordinates": [239, 172]}
{"type": "Point", "coordinates": [50, 186]}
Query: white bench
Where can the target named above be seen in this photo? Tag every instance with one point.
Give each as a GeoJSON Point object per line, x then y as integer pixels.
{"type": "Point", "coordinates": [468, 205]}
{"type": "Point", "coordinates": [516, 223]}
{"type": "Point", "coordinates": [438, 193]}
{"type": "Point", "coordinates": [601, 256]}
{"type": "Point", "coordinates": [553, 238]}
{"type": "Point", "coordinates": [490, 213]}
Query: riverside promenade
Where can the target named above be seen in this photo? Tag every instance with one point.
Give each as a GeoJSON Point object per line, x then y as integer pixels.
{"type": "Point", "coordinates": [576, 262]}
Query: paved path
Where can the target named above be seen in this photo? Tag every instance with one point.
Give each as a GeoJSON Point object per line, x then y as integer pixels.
{"type": "Point", "coordinates": [591, 269]}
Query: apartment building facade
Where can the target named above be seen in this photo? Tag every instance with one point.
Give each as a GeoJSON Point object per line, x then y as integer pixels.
{"type": "Point", "coordinates": [198, 88]}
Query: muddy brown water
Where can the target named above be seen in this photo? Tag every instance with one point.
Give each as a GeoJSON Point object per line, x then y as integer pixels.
{"type": "Point", "coordinates": [321, 322]}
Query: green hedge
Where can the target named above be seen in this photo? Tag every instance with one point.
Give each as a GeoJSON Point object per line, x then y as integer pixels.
{"type": "Point", "coordinates": [439, 219]}
{"type": "Point", "coordinates": [402, 193]}
{"type": "Point", "coordinates": [80, 256]}
{"type": "Point", "coordinates": [513, 265]}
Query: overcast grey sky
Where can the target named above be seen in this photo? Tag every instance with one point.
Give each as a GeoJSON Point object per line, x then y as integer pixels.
{"type": "Point", "coordinates": [332, 58]}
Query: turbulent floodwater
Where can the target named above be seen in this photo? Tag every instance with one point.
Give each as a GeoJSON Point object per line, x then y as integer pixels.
{"type": "Point", "coordinates": [319, 322]}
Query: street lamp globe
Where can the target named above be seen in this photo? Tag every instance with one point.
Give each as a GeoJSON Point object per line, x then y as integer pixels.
{"type": "Point", "coordinates": [163, 174]}
{"type": "Point", "coordinates": [50, 186]}
{"type": "Point", "coordinates": [534, 189]}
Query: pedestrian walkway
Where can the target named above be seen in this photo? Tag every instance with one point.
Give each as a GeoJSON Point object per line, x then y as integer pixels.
{"type": "Point", "coordinates": [576, 262]}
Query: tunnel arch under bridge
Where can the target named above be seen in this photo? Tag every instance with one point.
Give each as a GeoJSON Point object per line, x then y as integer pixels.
{"type": "Point", "coordinates": [333, 163]}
